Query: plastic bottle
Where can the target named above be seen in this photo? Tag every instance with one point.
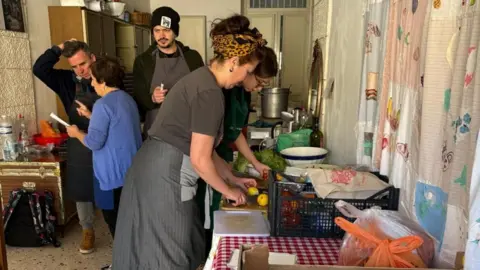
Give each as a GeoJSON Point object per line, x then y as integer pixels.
{"type": "Point", "coordinates": [7, 139]}
{"type": "Point", "coordinates": [23, 136]}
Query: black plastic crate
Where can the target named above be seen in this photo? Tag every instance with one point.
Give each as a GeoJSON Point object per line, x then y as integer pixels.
{"type": "Point", "coordinates": [293, 215]}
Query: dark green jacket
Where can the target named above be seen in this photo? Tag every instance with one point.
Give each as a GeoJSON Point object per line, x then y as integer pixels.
{"type": "Point", "coordinates": [143, 69]}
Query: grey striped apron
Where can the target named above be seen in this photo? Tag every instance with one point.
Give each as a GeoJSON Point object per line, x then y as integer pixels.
{"type": "Point", "coordinates": [159, 225]}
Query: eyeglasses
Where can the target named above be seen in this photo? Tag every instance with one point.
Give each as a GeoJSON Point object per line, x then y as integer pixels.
{"type": "Point", "coordinates": [261, 82]}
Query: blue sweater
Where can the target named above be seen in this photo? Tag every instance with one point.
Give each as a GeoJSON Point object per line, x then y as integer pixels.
{"type": "Point", "coordinates": [114, 137]}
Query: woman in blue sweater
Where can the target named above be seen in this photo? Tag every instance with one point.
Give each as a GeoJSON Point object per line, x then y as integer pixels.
{"type": "Point", "coordinates": [113, 136]}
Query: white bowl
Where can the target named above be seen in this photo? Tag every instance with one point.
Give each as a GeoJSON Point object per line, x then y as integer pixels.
{"type": "Point", "coordinates": [115, 8]}
{"type": "Point", "coordinates": [95, 6]}
{"type": "Point", "coordinates": [295, 156]}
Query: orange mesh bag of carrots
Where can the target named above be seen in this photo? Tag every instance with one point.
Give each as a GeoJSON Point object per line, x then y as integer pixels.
{"type": "Point", "coordinates": [381, 238]}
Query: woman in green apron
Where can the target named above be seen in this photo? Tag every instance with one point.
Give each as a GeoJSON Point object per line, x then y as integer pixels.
{"type": "Point", "coordinates": [237, 103]}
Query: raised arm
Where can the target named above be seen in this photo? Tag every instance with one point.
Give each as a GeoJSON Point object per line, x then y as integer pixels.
{"type": "Point", "coordinates": [59, 80]}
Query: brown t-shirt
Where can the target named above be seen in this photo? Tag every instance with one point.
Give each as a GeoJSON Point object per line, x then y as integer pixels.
{"type": "Point", "coordinates": [194, 104]}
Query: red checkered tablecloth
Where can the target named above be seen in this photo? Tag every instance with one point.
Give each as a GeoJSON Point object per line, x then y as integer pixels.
{"type": "Point", "coordinates": [309, 251]}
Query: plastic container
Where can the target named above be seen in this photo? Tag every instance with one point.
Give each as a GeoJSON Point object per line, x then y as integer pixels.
{"type": "Point", "coordinates": [40, 140]}
{"type": "Point", "coordinates": [299, 138]}
{"type": "Point", "coordinates": [298, 212]}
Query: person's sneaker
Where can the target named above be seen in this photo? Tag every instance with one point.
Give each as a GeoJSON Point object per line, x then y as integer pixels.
{"type": "Point", "coordinates": [106, 267]}
{"type": "Point", "coordinates": [88, 241]}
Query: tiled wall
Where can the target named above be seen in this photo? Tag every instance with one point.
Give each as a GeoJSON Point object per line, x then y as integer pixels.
{"type": "Point", "coordinates": [16, 78]}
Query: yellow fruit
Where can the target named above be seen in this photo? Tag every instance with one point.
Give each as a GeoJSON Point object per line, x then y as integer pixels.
{"type": "Point", "coordinates": [252, 191]}
{"type": "Point", "coordinates": [262, 199]}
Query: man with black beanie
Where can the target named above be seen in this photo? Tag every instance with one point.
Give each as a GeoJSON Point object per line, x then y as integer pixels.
{"type": "Point", "coordinates": [157, 69]}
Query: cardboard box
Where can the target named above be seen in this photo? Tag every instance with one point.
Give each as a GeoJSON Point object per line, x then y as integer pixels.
{"type": "Point", "coordinates": [255, 257]}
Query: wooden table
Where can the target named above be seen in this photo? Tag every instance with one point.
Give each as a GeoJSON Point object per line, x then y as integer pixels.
{"type": "Point", "coordinates": [38, 172]}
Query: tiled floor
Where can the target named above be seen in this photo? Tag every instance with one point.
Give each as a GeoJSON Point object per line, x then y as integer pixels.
{"type": "Point", "coordinates": [67, 256]}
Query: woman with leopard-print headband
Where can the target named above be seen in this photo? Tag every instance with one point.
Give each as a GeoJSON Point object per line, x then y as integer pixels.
{"type": "Point", "coordinates": [159, 224]}
{"type": "Point", "coordinates": [237, 103]}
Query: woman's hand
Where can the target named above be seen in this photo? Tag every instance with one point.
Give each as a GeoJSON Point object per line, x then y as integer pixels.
{"type": "Point", "coordinates": [73, 131]}
{"type": "Point", "coordinates": [83, 110]}
{"type": "Point", "coordinates": [244, 183]}
{"type": "Point", "coordinates": [261, 168]}
{"type": "Point", "coordinates": [236, 195]}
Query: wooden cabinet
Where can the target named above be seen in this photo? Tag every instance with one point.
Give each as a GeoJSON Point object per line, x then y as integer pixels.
{"type": "Point", "coordinates": [40, 174]}
{"type": "Point", "coordinates": [94, 33]}
{"type": "Point", "coordinates": [100, 33]}
{"type": "Point", "coordinates": [130, 43]}
{"type": "Point", "coordinates": [104, 34]}
{"type": "Point", "coordinates": [108, 36]}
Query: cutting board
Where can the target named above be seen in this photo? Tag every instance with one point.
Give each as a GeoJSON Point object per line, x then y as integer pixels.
{"type": "Point", "coordinates": [240, 223]}
{"type": "Point", "coordinates": [252, 202]}
{"type": "Point", "coordinates": [247, 207]}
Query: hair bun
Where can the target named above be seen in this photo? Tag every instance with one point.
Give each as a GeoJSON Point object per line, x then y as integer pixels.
{"type": "Point", "coordinates": [236, 24]}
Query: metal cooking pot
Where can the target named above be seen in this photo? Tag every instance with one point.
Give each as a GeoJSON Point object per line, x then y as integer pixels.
{"type": "Point", "coordinates": [274, 101]}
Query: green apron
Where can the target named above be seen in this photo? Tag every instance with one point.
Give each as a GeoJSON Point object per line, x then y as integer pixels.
{"type": "Point", "coordinates": [234, 120]}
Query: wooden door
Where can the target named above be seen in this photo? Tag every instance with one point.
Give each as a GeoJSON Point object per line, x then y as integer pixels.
{"type": "Point", "coordinates": [193, 34]}
{"type": "Point", "coordinates": [293, 57]}
{"type": "Point", "coordinates": [108, 36]}
{"type": "Point", "coordinates": [265, 23]}
{"type": "Point", "coordinates": [94, 32]}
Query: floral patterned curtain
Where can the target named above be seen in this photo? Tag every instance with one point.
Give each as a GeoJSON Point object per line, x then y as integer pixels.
{"type": "Point", "coordinates": [375, 37]}
{"type": "Point", "coordinates": [450, 122]}
{"type": "Point", "coordinates": [429, 114]}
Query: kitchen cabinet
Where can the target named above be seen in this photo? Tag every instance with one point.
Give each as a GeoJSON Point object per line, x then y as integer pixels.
{"type": "Point", "coordinates": [94, 33]}
{"type": "Point", "coordinates": [130, 43]}
{"type": "Point", "coordinates": [108, 37]}
{"type": "Point", "coordinates": [105, 35]}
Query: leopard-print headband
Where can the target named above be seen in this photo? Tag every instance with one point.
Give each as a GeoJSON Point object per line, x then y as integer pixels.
{"type": "Point", "coordinates": [231, 45]}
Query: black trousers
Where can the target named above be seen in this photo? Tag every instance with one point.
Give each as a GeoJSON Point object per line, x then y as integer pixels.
{"type": "Point", "coordinates": [110, 216]}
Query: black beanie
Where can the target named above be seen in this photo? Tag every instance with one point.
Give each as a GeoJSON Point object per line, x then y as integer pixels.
{"type": "Point", "coordinates": [166, 17]}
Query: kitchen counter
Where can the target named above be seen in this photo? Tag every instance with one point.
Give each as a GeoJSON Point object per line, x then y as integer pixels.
{"type": "Point", "coordinates": [38, 158]}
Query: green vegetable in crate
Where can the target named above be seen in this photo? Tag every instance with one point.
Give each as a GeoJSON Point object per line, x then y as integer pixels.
{"type": "Point", "coordinates": [267, 157]}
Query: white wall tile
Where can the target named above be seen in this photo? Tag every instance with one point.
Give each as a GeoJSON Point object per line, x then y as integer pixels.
{"type": "Point", "coordinates": [16, 78]}
{"type": "Point", "coordinates": [17, 86]}
{"type": "Point", "coordinates": [16, 52]}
